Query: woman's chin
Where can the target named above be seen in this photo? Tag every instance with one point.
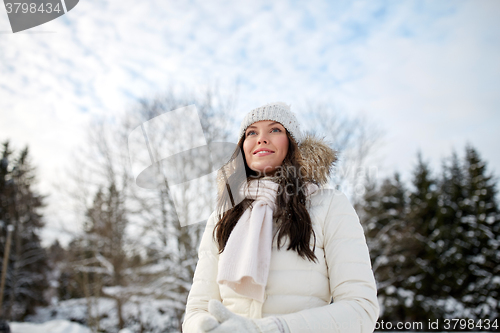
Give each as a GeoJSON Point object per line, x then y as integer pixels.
{"type": "Point", "coordinates": [265, 171]}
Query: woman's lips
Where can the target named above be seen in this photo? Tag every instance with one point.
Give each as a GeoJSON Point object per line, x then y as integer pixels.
{"type": "Point", "coordinates": [263, 153]}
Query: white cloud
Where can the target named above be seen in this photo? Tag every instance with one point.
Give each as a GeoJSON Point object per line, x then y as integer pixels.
{"type": "Point", "coordinates": [428, 72]}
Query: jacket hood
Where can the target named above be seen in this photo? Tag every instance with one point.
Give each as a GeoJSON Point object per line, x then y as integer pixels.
{"type": "Point", "coordinates": [316, 160]}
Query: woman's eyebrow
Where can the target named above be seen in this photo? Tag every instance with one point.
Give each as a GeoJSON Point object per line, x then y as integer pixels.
{"type": "Point", "coordinates": [271, 124]}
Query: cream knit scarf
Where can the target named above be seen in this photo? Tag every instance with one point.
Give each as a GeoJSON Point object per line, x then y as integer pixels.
{"type": "Point", "coordinates": [244, 263]}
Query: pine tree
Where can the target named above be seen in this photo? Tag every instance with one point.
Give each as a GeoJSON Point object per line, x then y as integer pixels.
{"type": "Point", "coordinates": [480, 222]}
{"type": "Point", "coordinates": [63, 287]}
{"type": "Point", "coordinates": [448, 230]}
{"type": "Point", "coordinates": [20, 206]}
{"type": "Point", "coordinates": [391, 245]}
{"type": "Point", "coordinates": [461, 252]}
{"type": "Point", "coordinates": [98, 256]}
{"type": "Point", "coordinates": [450, 240]}
{"type": "Point", "coordinates": [423, 203]}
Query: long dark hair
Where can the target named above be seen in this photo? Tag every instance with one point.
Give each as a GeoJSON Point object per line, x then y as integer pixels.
{"type": "Point", "coordinates": [292, 216]}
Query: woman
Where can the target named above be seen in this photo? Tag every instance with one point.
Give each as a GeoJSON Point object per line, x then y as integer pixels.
{"type": "Point", "coordinates": [281, 253]}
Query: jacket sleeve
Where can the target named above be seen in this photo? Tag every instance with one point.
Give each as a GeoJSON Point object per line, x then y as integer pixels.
{"type": "Point", "coordinates": [205, 285]}
{"type": "Point", "coordinates": [355, 306]}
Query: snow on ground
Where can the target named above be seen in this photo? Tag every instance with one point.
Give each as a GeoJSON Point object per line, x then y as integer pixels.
{"type": "Point", "coordinates": [140, 314]}
{"type": "Point", "coordinates": [53, 326]}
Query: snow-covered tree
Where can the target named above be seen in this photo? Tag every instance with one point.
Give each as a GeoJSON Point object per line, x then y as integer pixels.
{"type": "Point", "coordinates": [135, 245]}
{"type": "Point", "coordinates": [468, 238]}
{"type": "Point", "coordinates": [435, 248]}
{"type": "Point", "coordinates": [423, 281]}
{"type": "Point", "coordinates": [481, 292]}
{"type": "Point", "coordinates": [391, 245]}
{"type": "Point", "coordinates": [102, 247]}
{"type": "Point", "coordinates": [170, 238]}
{"type": "Point", "coordinates": [20, 206]}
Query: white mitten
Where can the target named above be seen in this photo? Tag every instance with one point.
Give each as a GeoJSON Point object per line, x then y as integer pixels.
{"type": "Point", "coordinates": [208, 323]}
{"type": "Point", "coordinates": [233, 323]}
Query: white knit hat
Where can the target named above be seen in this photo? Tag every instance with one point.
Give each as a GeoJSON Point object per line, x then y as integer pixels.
{"type": "Point", "coordinates": [277, 111]}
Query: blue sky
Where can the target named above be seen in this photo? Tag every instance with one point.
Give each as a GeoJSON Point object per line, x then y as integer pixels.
{"type": "Point", "coordinates": [426, 72]}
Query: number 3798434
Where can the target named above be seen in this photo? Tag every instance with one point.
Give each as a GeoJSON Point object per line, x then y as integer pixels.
{"type": "Point", "coordinates": [25, 7]}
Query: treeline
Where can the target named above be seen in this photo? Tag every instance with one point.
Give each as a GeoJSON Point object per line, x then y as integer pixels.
{"type": "Point", "coordinates": [132, 261]}
{"type": "Point", "coordinates": [435, 242]}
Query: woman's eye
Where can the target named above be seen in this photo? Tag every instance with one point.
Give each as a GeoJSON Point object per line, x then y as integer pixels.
{"type": "Point", "coordinates": [275, 129]}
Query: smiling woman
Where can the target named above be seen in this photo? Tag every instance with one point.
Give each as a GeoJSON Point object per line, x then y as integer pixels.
{"type": "Point", "coordinates": [265, 146]}
{"type": "Point", "coordinates": [281, 253]}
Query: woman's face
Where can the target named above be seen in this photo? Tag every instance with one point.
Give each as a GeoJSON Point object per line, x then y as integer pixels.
{"type": "Point", "coordinates": [265, 146]}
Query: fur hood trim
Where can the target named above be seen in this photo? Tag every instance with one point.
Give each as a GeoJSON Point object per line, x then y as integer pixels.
{"type": "Point", "coordinates": [316, 159]}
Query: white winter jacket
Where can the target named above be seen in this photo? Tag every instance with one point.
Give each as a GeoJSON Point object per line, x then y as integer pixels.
{"type": "Point", "coordinates": [335, 294]}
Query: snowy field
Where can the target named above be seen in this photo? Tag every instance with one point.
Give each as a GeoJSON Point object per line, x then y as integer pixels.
{"type": "Point", "coordinates": [148, 315]}
{"type": "Point", "coordinates": [53, 326]}
{"type": "Point", "coordinates": [65, 326]}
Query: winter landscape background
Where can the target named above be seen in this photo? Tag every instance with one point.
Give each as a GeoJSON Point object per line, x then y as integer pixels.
{"type": "Point", "coordinates": [407, 92]}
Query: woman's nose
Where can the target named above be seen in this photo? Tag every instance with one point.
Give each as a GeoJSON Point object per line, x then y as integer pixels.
{"type": "Point", "coordinates": [262, 138]}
